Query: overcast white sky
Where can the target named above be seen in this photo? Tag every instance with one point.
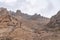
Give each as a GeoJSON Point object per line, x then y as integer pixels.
{"type": "Point", "coordinates": [46, 8]}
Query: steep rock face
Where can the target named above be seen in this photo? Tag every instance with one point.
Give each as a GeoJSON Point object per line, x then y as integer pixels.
{"type": "Point", "coordinates": [53, 28]}
{"type": "Point", "coordinates": [55, 21]}
{"type": "Point", "coordinates": [7, 23]}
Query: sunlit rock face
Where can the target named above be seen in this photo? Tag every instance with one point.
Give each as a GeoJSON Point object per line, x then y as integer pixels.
{"type": "Point", "coordinates": [7, 22]}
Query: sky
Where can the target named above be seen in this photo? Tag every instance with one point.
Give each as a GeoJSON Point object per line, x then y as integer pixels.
{"type": "Point", "coordinates": [46, 8]}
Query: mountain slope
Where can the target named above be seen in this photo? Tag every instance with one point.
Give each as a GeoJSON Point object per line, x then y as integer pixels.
{"type": "Point", "coordinates": [55, 21]}
{"type": "Point", "coordinates": [21, 26]}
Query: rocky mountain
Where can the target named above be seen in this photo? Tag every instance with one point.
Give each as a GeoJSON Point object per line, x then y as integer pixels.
{"type": "Point", "coordinates": [22, 26]}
